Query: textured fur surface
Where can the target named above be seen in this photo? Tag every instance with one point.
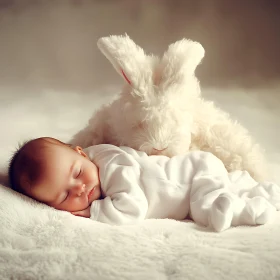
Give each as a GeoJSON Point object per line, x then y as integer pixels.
{"type": "Point", "coordinates": [161, 111]}
{"type": "Point", "coordinates": [39, 242]}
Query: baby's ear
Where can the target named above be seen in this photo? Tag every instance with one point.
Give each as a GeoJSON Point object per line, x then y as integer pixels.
{"type": "Point", "coordinates": [81, 151]}
{"type": "Point", "coordinates": [128, 59]}
{"type": "Point", "coordinates": [180, 61]}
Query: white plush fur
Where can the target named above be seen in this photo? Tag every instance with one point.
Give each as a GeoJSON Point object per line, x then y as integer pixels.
{"type": "Point", "coordinates": [39, 242]}
{"type": "Point", "coordinates": [160, 109]}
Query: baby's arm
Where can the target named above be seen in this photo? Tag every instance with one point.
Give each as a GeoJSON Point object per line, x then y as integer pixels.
{"type": "Point", "coordinates": [125, 201]}
{"type": "Point", "coordinates": [121, 208]}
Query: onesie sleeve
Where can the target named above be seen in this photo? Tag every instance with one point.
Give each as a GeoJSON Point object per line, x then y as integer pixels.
{"type": "Point", "coordinates": [120, 177]}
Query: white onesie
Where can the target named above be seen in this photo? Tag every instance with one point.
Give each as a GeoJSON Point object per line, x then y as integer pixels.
{"type": "Point", "coordinates": [136, 186]}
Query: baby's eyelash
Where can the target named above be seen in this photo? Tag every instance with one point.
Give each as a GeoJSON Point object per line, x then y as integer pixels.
{"type": "Point", "coordinates": [80, 172]}
{"type": "Point", "coordinates": [65, 196]}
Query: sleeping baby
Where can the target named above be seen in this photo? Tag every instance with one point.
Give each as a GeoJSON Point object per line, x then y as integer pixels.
{"type": "Point", "coordinates": [122, 186]}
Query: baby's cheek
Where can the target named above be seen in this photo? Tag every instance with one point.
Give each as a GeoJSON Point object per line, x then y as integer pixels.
{"type": "Point", "coordinates": [78, 203]}
{"type": "Point", "coordinates": [93, 176]}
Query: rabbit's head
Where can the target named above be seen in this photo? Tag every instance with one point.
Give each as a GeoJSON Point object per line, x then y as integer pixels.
{"type": "Point", "coordinates": [155, 110]}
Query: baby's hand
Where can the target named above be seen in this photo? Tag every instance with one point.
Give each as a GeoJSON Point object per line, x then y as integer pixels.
{"type": "Point", "coordinates": [82, 213]}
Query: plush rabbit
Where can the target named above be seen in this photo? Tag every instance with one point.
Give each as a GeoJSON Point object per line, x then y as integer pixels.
{"type": "Point", "coordinates": [160, 110]}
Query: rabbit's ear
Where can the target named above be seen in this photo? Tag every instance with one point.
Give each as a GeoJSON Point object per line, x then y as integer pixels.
{"type": "Point", "coordinates": [128, 59]}
{"type": "Point", "coordinates": [180, 61]}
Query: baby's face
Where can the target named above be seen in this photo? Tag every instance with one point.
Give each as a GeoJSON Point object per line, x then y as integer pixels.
{"type": "Point", "coordinates": [70, 181]}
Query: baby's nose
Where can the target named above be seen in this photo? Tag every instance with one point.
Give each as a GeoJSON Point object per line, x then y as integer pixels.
{"type": "Point", "coordinates": [158, 151]}
{"type": "Point", "coordinates": [80, 189]}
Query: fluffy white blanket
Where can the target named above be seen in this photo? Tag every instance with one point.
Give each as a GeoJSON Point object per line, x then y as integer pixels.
{"type": "Point", "coordinates": [38, 242]}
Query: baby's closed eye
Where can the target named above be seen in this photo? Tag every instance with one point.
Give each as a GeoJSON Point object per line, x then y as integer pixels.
{"type": "Point", "coordinates": [78, 173]}
{"type": "Point", "coordinates": [65, 197]}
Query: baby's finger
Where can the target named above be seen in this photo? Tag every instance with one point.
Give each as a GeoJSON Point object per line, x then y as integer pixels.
{"type": "Point", "coordinates": [83, 213]}
{"type": "Point", "coordinates": [77, 213]}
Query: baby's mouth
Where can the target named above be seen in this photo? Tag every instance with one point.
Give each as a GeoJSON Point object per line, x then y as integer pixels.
{"type": "Point", "coordinates": [91, 192]}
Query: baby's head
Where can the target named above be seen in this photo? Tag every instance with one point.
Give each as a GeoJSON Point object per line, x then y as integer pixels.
{"type": "Point", "coordinates": [55, 173]}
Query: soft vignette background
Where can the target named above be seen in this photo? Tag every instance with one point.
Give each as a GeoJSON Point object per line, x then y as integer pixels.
{"type": "Point", "coordinates": [52, 76]}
